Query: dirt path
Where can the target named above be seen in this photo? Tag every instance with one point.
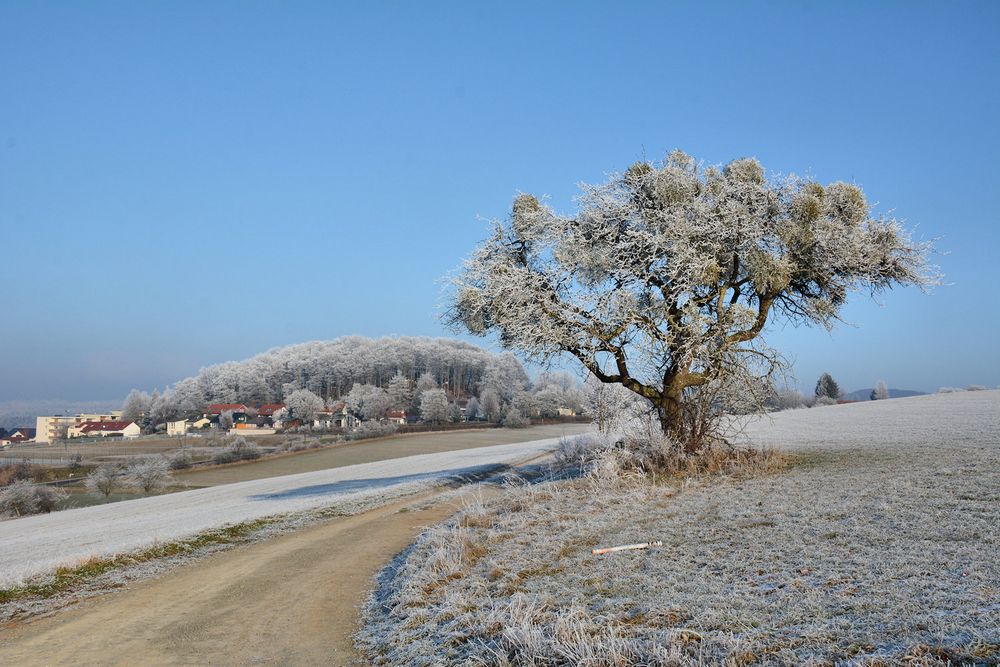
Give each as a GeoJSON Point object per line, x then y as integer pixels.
{"type": "Point", "coordinates": [288, 601]}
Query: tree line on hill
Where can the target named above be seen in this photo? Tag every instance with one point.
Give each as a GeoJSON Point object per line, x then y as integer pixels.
{"type": "Point", "coordinates": [421, 376]}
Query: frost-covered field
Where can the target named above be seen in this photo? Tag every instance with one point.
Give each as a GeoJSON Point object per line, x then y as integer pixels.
{"type": "Point", "coordinates": [877, 546]}
{"type": "Point", "coordinates": [37, 544]}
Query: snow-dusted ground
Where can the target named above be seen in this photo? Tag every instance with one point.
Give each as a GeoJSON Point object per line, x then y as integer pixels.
{"type": "Point", "coordinates": [956, 420]}
{"type": "Point", "coordinates": [37, 544]}
{"type": "Point", "coordinates": [877, 545]}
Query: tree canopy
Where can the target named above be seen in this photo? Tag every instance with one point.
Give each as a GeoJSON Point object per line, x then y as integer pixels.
{"type": "Point", "coordinates": [665, 278]}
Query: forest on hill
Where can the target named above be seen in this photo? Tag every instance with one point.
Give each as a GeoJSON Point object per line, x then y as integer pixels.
{"type": "Point", "coordinates": [330, 369]}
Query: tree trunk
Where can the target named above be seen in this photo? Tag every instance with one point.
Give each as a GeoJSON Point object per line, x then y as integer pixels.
{"type": "Point", "coordinates": [670, 410]}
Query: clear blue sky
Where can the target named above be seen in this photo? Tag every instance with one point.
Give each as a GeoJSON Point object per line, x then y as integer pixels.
{"type": "Point", "coordinates": [184, 183]}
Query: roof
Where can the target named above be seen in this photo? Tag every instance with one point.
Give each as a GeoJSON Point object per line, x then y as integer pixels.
{"type": "Point", "coordinates": [19, 434]}
{"type": "Point", "coordinates": [219, 408]}
{"type": "Point", "coordinates": [106, 427]}
{"type": "Point", "coordinates": [269, 409]}
{"type": "Point", "coordinates": [395, 414]}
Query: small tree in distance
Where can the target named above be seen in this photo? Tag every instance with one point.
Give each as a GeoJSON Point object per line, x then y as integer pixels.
{"type": "Point", "coordinates": [149, 475]}
{"type": "Point", "coordinates": [103, 479]}
{"type": "Point", "coordinates": [472, 409]}
{"type": "Point", "coordinates": [434, 406]}
{"type": "Point", "coordinates": [664, 280]}
{"type": "Point", "coordinates": [303, 404]}
{"type": "Point", "coordinates": [880, 392]}
{"type": "Point", "coordinates": [489, 404]}
{"type": "Point", "coordinates": [827, 387]}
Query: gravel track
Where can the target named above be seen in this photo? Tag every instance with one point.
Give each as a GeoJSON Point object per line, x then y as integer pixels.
{"type": "Point", "coordinates": [34, 545]}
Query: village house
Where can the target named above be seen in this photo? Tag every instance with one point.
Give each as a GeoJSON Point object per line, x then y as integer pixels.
{"type": "Point", "coordinates": [17, 437]}
{"type": "Point", "coordinates": [200, 423]}
{"type": "Point", "coordinates": [106, 429]}
{"type": "Point", "coordinates": [178, 427]}
{"type": "Point", "coordinates": [268, 409]}
{"type": "Point", "coordinates": [341, 417]}
{"type": "Point", "coordinates": [216, 409]}
{"type": "Point", "coordinates": [395, 417]}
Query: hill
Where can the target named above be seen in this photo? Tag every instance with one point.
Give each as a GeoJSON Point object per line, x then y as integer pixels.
{"type": "Point", "coordinates": [330, 368]}
{"type": "Point", "coordinates": [865, 394]}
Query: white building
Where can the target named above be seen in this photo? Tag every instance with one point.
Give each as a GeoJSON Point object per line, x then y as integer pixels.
{"type": "Point", "coordinates": [50, 429]}
{"type": "Point", "coordinates": [178, 427]}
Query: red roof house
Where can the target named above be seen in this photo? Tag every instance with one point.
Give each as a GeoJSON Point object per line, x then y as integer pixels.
{"type": "Point", "coordinates": [219, 408]}
{"type": "Point", "coordinates": [268, 409]}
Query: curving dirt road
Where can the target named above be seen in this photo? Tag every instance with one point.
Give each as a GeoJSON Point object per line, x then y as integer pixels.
{"type": "Point", "coordinates": [287, 601]}
{"type": "Point", "coordinates": [36, 544]}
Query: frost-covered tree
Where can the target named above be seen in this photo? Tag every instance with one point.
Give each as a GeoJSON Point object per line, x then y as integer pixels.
{"type": "Point", "coordinates": [226, 419]}
{"type": "Point", "coordinates": [103, 479]}
{"type": "Point", "coordinates": [666, 277]}
{"type": "Point", "coordinates": [369, 401]}
{"type": "Point", "coordinates": [880, 392]}
{"type": "Point", "coordinates": [23, 497]}
{"type": "Point", "coordinates": [489, 403]}
{"type": "Point", "coordinates": [472, 410]}
{"type": "Point", "coordinates": [609, 404]}
{"type": "Point", "coordinates": [827, 387]}
{"type": "Point", "coordinates": [454, 413]}
{"type": "Point", "coordinates": [400, 391]}
{"type": "Point", "coordinates": [514, 418]}
{"type": "Point", "coordinates": [504, 375]}
{"type": "Point", "coordinates": [548, 401]}
{"type": "Point", "coordinates": [303, 404]}
{"type": "Point", "coordinates": [434, 406]}
{"type": "Point", "coordinates": [136, 406]}
{"type": "Point", "coordinates": [148, 475]}
{"type": "Point", "coordinates": [279, 416]}
{"type": "Point", "coordinates": [426, 381]}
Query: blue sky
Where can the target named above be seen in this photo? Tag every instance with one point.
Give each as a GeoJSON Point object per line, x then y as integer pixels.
{"type": "Point", "coordinates": [184, 183]}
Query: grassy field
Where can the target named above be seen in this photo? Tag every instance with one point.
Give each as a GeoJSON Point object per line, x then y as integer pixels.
{"type": "Point", "coordinates": [368, 451]}
{"type": "Point", "coordinates": [876, 546]}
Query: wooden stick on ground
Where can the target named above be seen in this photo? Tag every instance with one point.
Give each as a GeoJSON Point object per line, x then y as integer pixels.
{"type": "Point", "coordinates": [626, 547]}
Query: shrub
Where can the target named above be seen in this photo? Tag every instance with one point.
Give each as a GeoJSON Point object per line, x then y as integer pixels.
{"type": "Point", "coordinates": [821, 401]}
{"type": "Point", "coordinates": [149, 475]}
{"type": "Point", "coordinates": [788, 399]}
{"type": "Point", "coordinates": [180, 460]}
{"type": "Point", "coordinates": [20, 470]}
{"type": "Point", "coordinates": [576, 454]}
{"type": "Point", "coordinates": [645, 453]}
{"type": "Point", "coordinates": [373, 429]}
{"type": "Point", "coordinates": [975, 387]}
{"type": "Point", "coordinates": [23, 498]}
{"type": "Point", "coordinates": [240, 449]}
{"type": "Point", "coordinates": [514, 419]}
{"type": "Point", "coordinates": [103, 479]}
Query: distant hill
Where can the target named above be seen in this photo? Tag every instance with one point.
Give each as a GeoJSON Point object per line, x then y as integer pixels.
{"type": "Point", "coordinates": [865, 394]}
{"type": "Point", "coordinates": [19, 414]}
